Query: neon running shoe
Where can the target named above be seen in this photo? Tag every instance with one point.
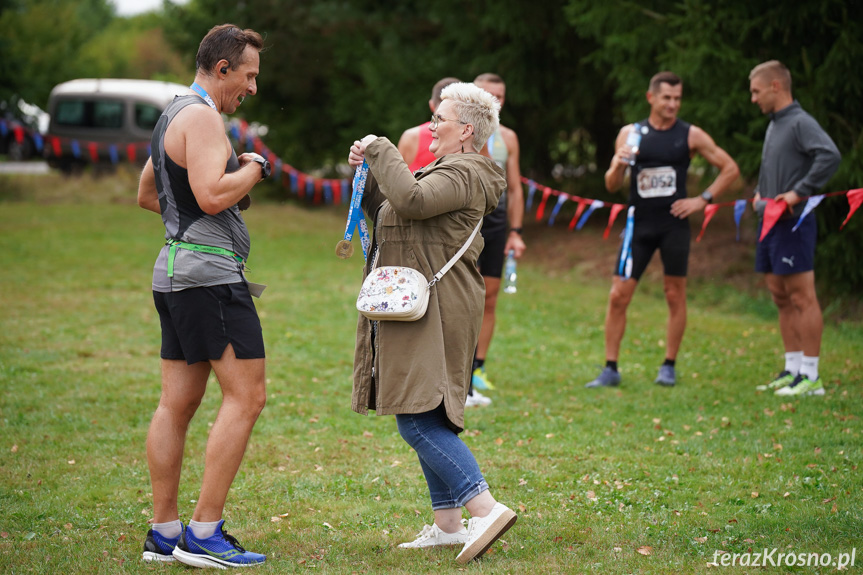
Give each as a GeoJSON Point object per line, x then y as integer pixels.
{"type": "Point", "coordinates": [666, 376]}
{"type": "Point", "coordinates": [783, 379]}
{"type": "Point", "coordinates": [607, 378]}
{"type": "Point", "coordinates": [802, 385]}
{"type": "Point", "coordinates": [157, 547]}
{"type": "Point", "coordinates": [479, 380]}
{"type": "Point", "coordinates": [221, 550]}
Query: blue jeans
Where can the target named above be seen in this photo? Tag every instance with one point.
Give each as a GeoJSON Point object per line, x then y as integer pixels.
{"type": "Point", "coordinates": [450, 469]}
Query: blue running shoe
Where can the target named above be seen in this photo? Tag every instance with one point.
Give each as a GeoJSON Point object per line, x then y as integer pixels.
{"type": "Point", "coordinates": [666, 376]}
{"type": "Point", "coordinates": [608, 377]}
{"type": "Point", "coordinates": [220, 550]}
{"type": "Point", "coordinates": [160, 548]}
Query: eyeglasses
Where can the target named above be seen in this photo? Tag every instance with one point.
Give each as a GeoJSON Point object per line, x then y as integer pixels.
{"type": "Point", "coordinates": [437, 119]}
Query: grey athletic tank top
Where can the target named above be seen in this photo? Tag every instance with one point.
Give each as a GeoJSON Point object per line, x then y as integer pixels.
{"type": "Point", "coordinates": [185, 221]}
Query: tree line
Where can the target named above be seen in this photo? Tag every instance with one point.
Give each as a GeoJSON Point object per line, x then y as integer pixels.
{"type": "Point", "coordinates": [576, 70]}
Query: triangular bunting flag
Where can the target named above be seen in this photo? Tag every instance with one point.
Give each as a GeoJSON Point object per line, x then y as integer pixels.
{"type": "Point", "coordinates": [773, 210]}
{"type": "Point", "coordinates": [811, 204]}
{"type": "Point", "coordinates": [594, 205]}
{"type": "Point", "coordinates": [615, 209]}
{"type": "Point", "coordinates": [709, 211]}
{"type": "Point", "coordinates": [855, 198]}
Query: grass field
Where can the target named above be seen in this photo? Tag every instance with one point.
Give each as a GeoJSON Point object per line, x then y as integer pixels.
{"type": "Point", "coordinates": [639, 479]}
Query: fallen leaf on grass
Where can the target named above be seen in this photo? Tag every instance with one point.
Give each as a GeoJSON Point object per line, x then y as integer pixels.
{"type": "Point", "coordinates": [701, 539]}
{"type": "Point", "coordinates": [121, 538]}
{"type": "Point", "coordinates": [754, 494]}
{"type": "Point", "coordinates": [498, 441]}
{"type": "Point", "coordinates": [275, 519]}
{"type": "Point", "coordinates": [14, 449]}
{"type": "Point", "coordinates": [67, 526]}
{"type": "Point", "coordinates": [4, 534]}
{"type": "Point", "coordinates": [368, 434]}
{"type": "Point", "coordinates": [522, 481]}
{"type": "Point", "coordinates": [645, 550]}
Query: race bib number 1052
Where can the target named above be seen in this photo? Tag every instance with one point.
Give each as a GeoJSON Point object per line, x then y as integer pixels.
{"type": "Point", "coordinates": [657, 182]}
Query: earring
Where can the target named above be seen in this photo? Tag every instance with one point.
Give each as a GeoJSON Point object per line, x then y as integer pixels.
{"type": "Point", "coordinates": [462, 147]}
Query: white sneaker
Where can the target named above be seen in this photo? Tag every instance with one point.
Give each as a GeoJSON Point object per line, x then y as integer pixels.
{"type": "Point", "coordinates": [433, 536]}
{"type": "Point", "coordinates": [477, 400]}
{"type": "Point", "coordinates": [482, 532]}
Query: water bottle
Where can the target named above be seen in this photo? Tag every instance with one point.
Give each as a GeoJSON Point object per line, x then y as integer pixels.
{"type": "Point", "coordinates": [509, 275]}
{"type": "Point", "coordinates": [633, 141]}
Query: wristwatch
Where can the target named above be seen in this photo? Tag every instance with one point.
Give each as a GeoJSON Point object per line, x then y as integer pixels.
{"type": "Point", "coordinates": [707, 196]}
{"type": "Point", "coordinates": [516, 230]}
{"type": "Point", "coordinates": [266, 169]}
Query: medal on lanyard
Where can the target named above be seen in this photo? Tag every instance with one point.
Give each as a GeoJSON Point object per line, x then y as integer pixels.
{"type": "Point", "coordinates": [625, 267]}
{"type": "Point", "coordinates": [345, 249]}
{"type": "Point", "coordinates": [203, 93]}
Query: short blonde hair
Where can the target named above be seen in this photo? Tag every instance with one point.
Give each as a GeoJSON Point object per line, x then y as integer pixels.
{"type": "Point", "coordinates": [476, 107]}
{"type": "Point", "coordinates": [773, 70]}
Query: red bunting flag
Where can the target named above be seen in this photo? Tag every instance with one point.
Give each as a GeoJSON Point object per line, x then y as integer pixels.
{"type": "Point", "coordinates": [301, 185]}
{"type": "Point", "coordinates": [55, 145]}
{"type": "Point", "coordinates": [582, 205]}
{"type": "Point", "coordinates": [615, 209]}
{"type": "Point", "coordinates": [709, 211]}
{"type": "Point", "coordinates": [773, 210]}
{"type": "Point", "coordinates": [318, 190]}
{"type": "Point", "coordinates": [855, 199]}
{"type": "Point", "coordinates": [540, 211]}
{"type": "Point", "coordinates": [94, 151]}
{"type": "Point", "coordinates": [131, 152]}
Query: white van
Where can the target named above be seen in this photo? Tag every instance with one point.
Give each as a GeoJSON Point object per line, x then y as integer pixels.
{"type": "Point", "coordinates": [99, 120]}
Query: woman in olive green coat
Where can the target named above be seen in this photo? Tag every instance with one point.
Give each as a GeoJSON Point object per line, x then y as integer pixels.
{"type": "Point", "coordinates": [420, 371]}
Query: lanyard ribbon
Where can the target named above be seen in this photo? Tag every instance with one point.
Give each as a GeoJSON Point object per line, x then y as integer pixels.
{"type": "Point", "coordinates": [174, 244]}
{"type": "Point", "coordinates": [203, 93]}
{"type": "Point", "coordinates": [355, 212]}
{"type": "Point", "coordinates": [625, 267]}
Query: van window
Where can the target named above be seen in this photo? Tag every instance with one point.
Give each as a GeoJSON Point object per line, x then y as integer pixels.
{"type": "Point", "coordinates": [89, 113]}
{"type": "Point", "coordinates": [147, 116]}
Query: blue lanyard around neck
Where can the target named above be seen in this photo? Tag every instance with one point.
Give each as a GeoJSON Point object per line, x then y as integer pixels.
{"type": "Point", "coordinates": [203, 93]}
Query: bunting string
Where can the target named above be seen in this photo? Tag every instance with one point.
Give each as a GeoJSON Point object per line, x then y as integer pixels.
{"type": "Point", "coordinates": [337, 191]}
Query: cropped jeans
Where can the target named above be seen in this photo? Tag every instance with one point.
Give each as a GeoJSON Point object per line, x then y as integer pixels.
{"type": "Point", "coordinates": [450, 469]}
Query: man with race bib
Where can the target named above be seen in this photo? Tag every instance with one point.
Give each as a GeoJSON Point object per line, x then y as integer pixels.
{"type": "Point", "coordinates": [658, 213]}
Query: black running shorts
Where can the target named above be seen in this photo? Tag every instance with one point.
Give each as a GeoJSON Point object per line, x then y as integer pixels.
{"type": "Point", "coordinates": [490, 260]}
{"type": "Point", "coordinates": [199, 323]}
{"type": "Point", "coordinates": [668, 234]}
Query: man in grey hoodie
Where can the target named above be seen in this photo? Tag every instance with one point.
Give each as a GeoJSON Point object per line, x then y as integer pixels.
{"type": "Point", "coordinates": [797, 160]}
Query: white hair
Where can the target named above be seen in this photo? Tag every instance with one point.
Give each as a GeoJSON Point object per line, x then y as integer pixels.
{"type": "Point", "coordinates": [476, 107]}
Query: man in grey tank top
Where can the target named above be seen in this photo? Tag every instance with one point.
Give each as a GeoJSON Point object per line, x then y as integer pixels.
{"type": "Point", "coordinates": [196, 182]}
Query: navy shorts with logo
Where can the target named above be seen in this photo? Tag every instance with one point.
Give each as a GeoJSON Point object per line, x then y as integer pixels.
{"type": "Point", "coordinates": [199, 323]}
{"type": "Point", "coordinates": [785, 252]}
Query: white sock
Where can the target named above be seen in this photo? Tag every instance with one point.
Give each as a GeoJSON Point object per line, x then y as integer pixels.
{"type": "Point", "coordinates": [203, 530]}
{"type": "Point", "coordinates": [170, 529]}
{"type": "Point", "coordinates": [809, 367]}
{"type": "Point", "coordinates": [792, 361]}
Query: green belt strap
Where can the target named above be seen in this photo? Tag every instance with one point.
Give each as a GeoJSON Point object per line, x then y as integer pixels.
{"type": "Point", "coordinates": [172, 252]}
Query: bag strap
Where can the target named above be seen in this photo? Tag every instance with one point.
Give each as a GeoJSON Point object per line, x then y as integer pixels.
{"type": "Point", "coordinates": [456, 257]}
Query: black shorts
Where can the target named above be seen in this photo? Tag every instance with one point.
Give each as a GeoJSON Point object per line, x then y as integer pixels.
{"type": "Point", "coordinates": [199, 323]}
{"type": "Point", "coordinates": [783, 251]}
{"type": "Point", "coordinates": [490, 260]}
{"type": "Point", "coordinates": [670, 235]}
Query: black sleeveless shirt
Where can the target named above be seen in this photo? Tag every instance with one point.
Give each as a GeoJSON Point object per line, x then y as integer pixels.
{"type": "Point", "coordinates": [658, 178]}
